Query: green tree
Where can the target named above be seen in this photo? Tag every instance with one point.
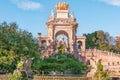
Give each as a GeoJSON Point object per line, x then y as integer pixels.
{"type": "Point", "coordinates": [117, 45]}
{"type": "Point", "coordinates": [100, 40]}
{"type": "Point", "coordinates": [100, 66]}
{"type": "Point", "coordinates": [14, 44]}
{"type": "Point", "coordinates": [100, 74]}
{"type": "Point", "coordinates": [61, 49]}
{"type": "Point", "coordinates": [62, 63]}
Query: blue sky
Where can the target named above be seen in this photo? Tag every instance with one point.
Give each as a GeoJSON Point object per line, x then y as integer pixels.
{"type": "Point", "coordinates": [91, 15]}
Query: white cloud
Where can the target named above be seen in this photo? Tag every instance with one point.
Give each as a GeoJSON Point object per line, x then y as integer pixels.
{"type": "Point", "coordinates": [112, 2]}
{"type": "Point", "coordinates": [27, 4]}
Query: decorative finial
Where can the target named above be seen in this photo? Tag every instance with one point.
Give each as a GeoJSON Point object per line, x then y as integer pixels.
{"type": "Point", "coordinates": [62, 6]}
{"type": "Point", "coordinates": [52, 14]}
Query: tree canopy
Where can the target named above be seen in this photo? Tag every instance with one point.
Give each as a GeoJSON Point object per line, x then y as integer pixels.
{"type": "Point", "coordinates": [62, 63]}
{"type": "Point", "coordinates": [15, 44]}
{"type": "Point", "coordinates": [103, 41]}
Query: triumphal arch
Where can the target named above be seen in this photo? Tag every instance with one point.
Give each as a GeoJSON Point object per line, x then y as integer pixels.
{"type": "Point", "coordinates": [62, 22]}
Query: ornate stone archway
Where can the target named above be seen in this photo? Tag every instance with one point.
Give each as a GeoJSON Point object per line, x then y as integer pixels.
{"type": "Point", "coordinates": [62, 40]}
{"type": "Point", "coordinates": [82, 40]}
{"type": "Point", "coordinates": [62, 21]}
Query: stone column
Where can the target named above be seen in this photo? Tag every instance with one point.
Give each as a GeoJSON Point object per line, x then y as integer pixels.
{"type": "Point", "coordinates": [51, 34]}
{"type": "Point", "coordinates": [70, 41]}
{"type": "Point", "coordinates": [74, 38]}
{"type": "Point", "coordinates": [83, 45]}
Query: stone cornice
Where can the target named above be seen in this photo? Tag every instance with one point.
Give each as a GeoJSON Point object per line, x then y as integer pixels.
{"type": "Point", "coordinates": [80, 37]}
{"type": "Point", "coordinates": [44, 37]}
{"type": "Point", "coordinates": [62, 22]}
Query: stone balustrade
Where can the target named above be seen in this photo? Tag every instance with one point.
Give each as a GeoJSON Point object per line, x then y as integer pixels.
{"type": "Point", "coordinates": [110, 60]}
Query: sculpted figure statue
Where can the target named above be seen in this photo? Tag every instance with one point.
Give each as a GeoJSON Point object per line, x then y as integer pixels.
{"type": "Point", "coordinates": [52, 14]}
{"type": "Point", "coordinates": [72, 15]}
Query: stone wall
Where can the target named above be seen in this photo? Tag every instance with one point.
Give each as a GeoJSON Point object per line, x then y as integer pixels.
{"type": "Point", "coordinates": [110, 60]}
